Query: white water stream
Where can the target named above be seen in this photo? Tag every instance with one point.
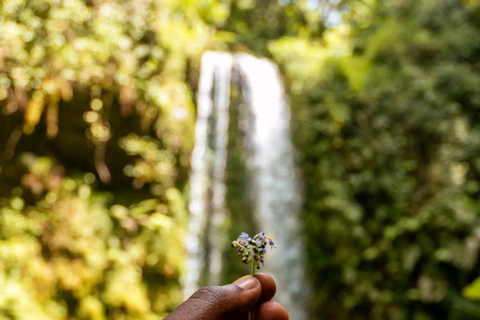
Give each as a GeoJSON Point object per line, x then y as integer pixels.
{"type": "Point", "coordinates": [273, 182]}
{"type": "Point", "coordinates": [207, 183]}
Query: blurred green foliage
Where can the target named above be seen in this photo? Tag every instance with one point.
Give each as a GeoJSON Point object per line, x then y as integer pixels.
{"type": "Point", "coordinates": [386, 109]}
{"type": "Point", "coordinates": [69, 255]}
{"type": "Point", "coordinates": [96, 130]}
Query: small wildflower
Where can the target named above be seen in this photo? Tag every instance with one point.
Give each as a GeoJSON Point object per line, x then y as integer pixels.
{"type": "Point", "coordinates": [252, 249]}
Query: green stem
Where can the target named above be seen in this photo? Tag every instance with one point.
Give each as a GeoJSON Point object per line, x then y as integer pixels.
{"type": "Point", "coordinates": [252, 274]}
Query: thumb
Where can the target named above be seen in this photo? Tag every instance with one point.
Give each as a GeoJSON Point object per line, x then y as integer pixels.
{"type": "Point", "coordinates": [232, 301]}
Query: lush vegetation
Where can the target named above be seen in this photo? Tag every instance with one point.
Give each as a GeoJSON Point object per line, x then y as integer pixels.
{"type": "Point", "coordinates": [97, 116]}
{"type": "Point", "coordinates": [389, 135]}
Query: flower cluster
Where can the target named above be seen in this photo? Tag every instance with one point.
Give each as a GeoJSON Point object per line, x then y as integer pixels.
{"type": "Point", "coordinates": [253, 249]}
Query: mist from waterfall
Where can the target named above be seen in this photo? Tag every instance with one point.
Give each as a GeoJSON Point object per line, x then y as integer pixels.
{"type": "Point", "coordinates": [273, 184]}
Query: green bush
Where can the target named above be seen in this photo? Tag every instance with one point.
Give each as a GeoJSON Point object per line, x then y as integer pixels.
{"type": "Point", "coordinates": [70, 255]}
{"type": "Point", "coordinates": [386, 113]}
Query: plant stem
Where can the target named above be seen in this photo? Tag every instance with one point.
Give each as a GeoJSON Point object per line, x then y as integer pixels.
{"type": "Point", "coordinates": [252, 274]}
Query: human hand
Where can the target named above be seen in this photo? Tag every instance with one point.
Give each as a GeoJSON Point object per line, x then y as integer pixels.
{"type": "Point", "coordinates": [233, 302]}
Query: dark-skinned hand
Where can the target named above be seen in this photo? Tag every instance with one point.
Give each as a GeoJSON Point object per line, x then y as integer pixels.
{"type": "Point", "coordinates": [233, 301]}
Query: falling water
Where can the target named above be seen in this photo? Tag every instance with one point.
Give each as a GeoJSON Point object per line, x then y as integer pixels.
{"type": "Point", "coordinates": [274, 186]}
{"type": "Point", "coordinates": [274, 183]}
{"type": "Point", "coordinates": [207, 183]}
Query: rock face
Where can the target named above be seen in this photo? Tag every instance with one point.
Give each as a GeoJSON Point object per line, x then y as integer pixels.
{"type": "Point", "coordinates": [273, 187]}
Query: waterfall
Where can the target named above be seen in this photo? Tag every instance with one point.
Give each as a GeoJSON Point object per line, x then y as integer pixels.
{"type": "Point", "coordinates": [207, 183]}
{"type": "Point", "coordinates": [274, 182]}
{"type": "Point", "coordinates": [272, 177]}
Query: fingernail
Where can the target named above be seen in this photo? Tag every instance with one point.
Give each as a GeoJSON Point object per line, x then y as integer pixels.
{"type": "Point", "coordinates": [247, 282]}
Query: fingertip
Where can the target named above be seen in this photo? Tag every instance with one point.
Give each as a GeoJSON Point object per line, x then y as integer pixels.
{"type": "Point", "coordinates": [244, 293]}
{"type": "Point", "coordinates": [271, 311]}
{"type": "Point", "coordinates": [248, 283]}
{"type": "Point", "coordinates": [268, 286]}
